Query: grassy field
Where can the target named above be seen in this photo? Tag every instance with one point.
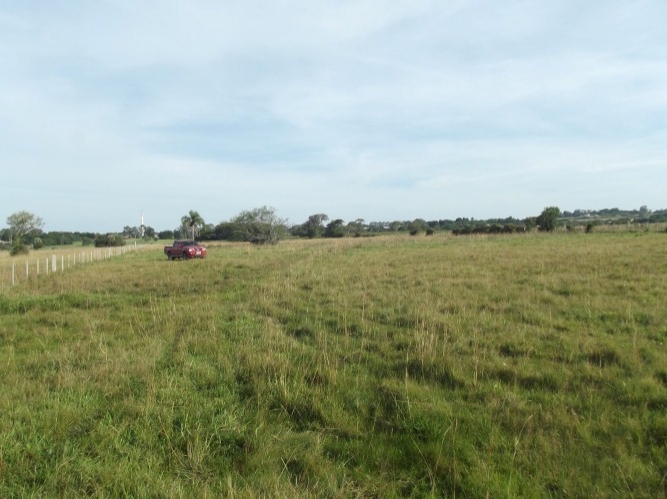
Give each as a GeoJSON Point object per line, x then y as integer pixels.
{"type": "Point", "coordinates": [501, 366]}
{"type": "Point", "coordinates": [20, 268]}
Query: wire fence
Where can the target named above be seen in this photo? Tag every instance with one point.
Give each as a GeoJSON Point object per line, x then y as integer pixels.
{"type": "Point", "coordinates": [18, 269]}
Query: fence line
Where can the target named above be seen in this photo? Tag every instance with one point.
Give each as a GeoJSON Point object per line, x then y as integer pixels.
{"type": "Point", "coordinates": [13, 271]}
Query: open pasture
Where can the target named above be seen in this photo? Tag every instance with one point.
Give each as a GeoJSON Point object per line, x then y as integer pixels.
{"type": "Point", "coordinates": [21, 268]}
{"type": "Point", "coordinates": [506, 366]}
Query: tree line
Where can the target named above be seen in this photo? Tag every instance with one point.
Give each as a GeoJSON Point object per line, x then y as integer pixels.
{"type": "Point", "coordinates": [263, 226]}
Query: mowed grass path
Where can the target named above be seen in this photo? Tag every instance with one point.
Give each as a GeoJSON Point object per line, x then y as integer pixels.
{"type": "Point", "coordinates": [393, 366]}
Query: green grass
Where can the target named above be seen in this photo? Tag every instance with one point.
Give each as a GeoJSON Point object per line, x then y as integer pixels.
{"type": "Point", "coordinates": [392, 366]}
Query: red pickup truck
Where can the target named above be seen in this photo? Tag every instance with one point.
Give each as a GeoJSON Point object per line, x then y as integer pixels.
{"type": "Point", "coordinates": [184, 250]}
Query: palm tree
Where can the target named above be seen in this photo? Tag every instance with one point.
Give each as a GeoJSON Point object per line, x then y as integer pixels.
{"type": "Point", "coordinates": [193, 220]}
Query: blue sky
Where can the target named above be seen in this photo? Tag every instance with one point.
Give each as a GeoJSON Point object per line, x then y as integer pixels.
{"type": "Point", "coordinates": [375, 109]}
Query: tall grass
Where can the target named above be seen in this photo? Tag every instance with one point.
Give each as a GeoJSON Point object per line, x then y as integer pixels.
{"type": "Point", "coordinates": [469, 367]}
{"type": "Point", "coordinates": [21, 268]}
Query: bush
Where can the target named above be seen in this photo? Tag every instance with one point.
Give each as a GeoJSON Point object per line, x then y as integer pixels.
{"type": "Point", "coordinates": [106, 240]}
{"type": "Point", "coordinates": [334, 229]}
{"type": "Point", "coordinates": [19, 249]}
{"type": "Point", "coordinates": [166, 234]}
{"type": "Point", "coordinates": [589, 227]}
{"type": "Point", "coordinates": [226, 231]}
{"type": "Point", "coordinates": [489, 229]}
{"type": "Point", "coordinates": [261, 233]}
{"type": "Point", "coordinates": [260, 226]}
{"type": "Point", "coordinates": [37, 243]}
{"type": "Point", "coordinates": [548, 219]}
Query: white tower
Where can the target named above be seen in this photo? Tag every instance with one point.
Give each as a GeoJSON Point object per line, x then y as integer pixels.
{"type": "Point", "coordinates": [142, 227]}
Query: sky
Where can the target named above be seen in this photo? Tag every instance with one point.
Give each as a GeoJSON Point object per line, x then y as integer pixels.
{"type": "Point", "coordinates": [375, 109]}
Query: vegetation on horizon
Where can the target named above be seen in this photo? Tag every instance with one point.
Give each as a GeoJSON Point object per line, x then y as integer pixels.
{"type": "Point", "coordinates": [267, 227]}
{"type": "Point", "coordinates": [191, 224]}
{"type": "Point", "coordinates": [20, 225]}
{"type": "Point", "coordinates": [389, 366]}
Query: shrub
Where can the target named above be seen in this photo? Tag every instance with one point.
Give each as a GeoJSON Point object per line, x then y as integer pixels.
{"type": "Point", "coordinates": [334, 229]}
{"type": "Point", "coordinates": [166, 234]}
{"type": "Point", "coordinates": [19, 249]}
{"type": "Point", "coordinates": [227, 231]}
{"type": "Point", "coordinates": [261, 226]}
{"type": "Point", "coordinates": [548, 219]}
{"type": "Point", "coordinates": [106, 240]}
{"type": "Point", "coordinates": [261, 233]}
{"type": "Point", "coordinates": [37, 243]}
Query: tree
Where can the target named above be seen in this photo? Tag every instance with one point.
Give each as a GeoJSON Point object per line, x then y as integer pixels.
{"type": "Point", "coordinates": [357, 227]}
{"type": "Point", "coordinates": [548, 219]}
{"type": "Point", "coordinates": [134, 232]}
{"type": "Point", "coordinates": [166, 234]}
{"type": "Point", "coordinates": [417, 225]}
{"type": "Point", "coordinates": [260, 225]}
{"type": "Point", "coordinates": [149, 232]}
{"type": "Point", "coordinates": [334, 229]}
{"type": "Point", "coordinates": [530, 222]}
{"type": "Point", "coordinates": [225, 231]}
{"type": "Point", "coordinates": [22, 223]}
{"type": "Point", "coordinates": [313, 226]}
{"type": "Point", "coordinates": [194, 221]}
{"type": "Point", "coordinates": [395, 226]}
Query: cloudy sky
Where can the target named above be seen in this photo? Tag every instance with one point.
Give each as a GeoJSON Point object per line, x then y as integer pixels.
{"type": "Point", "coordinates": [375, 109]}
